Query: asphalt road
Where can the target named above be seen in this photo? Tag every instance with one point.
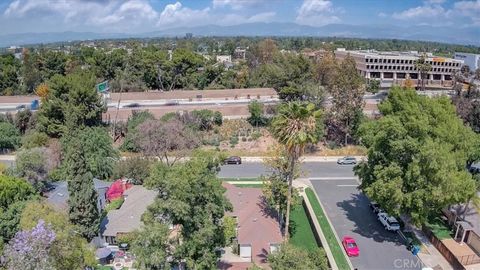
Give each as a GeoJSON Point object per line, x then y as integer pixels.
{"type": "Point", "coordinates": [349, 211]}
{"type": "Point", "coordinates": [309, 170]}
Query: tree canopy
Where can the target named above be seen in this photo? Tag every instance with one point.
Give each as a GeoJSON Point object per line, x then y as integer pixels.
{"type": "Point", "coordinates": [191, 195]}
{"type": "Point", "coordinates": [72, 102]}
{"type": "Point", "coordinates": [417, 154]}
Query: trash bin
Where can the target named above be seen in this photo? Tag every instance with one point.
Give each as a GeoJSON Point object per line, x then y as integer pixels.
{"type": "Point", "coordinates": [415, 250]}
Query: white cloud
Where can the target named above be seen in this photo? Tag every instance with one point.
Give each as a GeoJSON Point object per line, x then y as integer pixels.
{"type": "Point", "coordinates": [115, 13]}
{"type": "Point", "coordinates": [433, 12]}
{"type": "Point", "coordinates": [470, 9]}
{"type": "Point", "coordinates": [317, 13]}
{"type": "Point", "coordinates": [421, 12]}
{"type": "Point", "coordinates": [176, 15]}
{"type": "Point", "coordinates": [236, 4]}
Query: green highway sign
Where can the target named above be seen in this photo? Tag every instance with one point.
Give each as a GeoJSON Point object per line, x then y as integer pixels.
{"type": "Point", "coordinates": [103, 87]}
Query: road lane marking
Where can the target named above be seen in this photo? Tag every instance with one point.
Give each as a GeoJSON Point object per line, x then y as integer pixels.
{"type": "Point", "coordinates": [347, 185]}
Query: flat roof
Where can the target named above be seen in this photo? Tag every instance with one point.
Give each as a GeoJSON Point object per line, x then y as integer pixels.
{"type": "Point", "coordinates": [375, 53]}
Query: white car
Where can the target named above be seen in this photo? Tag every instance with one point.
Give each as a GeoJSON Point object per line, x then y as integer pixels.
{"type": "Point", "coordinates": [390, 223]}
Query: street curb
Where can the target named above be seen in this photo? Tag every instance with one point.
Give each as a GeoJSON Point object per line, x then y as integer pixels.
{"type": "Point", "coordinates": [333, 229]}
{"type": "Point", "coordinates": [323, 239]}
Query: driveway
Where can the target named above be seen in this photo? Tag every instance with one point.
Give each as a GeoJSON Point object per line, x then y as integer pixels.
{"type": "Point", "coordinates": [350, 214]}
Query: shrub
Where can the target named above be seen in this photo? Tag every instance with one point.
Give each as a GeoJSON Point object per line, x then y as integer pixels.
{"type": "Point", "coordinates": [9, 136]}
{"type": "Point", "coordinates": [114, 204]}
{"type": "Point", "coordinates": [135, 120]}
{"type": "Point", "coordinates": [135, 169]}
{"type": "Point", "coordinates": [233, 141]}
{"type": "Point", "coordinates": [256, 135]}
{"type": "Point", "coordinates": [34, 139]}
{"type": "Point", "coordinates": [244, 139]}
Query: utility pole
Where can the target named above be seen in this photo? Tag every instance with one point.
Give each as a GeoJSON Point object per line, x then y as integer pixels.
{"type": "Point", "coordinates": [118, 106]}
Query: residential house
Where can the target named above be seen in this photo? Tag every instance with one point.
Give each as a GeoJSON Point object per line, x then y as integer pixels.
{"type": "Point", "coordinates": [258, 230]}
{"type": "Point", "coordinates": [58, 194]}
{"type": "Point", "coordinates": [128, 217]}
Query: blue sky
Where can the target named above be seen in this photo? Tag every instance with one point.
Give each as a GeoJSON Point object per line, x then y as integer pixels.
{"type": "Point", "coordinates": [129, 16]}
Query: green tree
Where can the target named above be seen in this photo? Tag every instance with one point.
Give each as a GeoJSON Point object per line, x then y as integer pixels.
{"type": "Point", "coordinates": [10, 220]}
{"type": "Point", "coordinates": [69, 250]}
{"type": "Point", "coordinates": [97, 146]}
{"type": "Point", "coordinates": [152, 247]}
{"type": "Point", "coordinates": [14, 189]}
{"type": "Point", "coordinates": [229, 229]}
{"type": "Point", "coordinates": [256, 114]}
{"type": "Point", "coordinates": [423, 67]}
{"type": "Point", "coordinates": [206, 119]}
{"type": "Point", "coordinates": [9, 136]}
{"type": "Point", "coordinates": [291, 257]}
{"type": "Point", "coordinates": [72, 102]}
{"type": "Point", "coordinates": [191, 195]}
{"type": "Point", "coordinates": [347, 92]}
{"type": "Point", "coordinates": [31, 164]}
{"type": "Point", "coordinates": [136, 169]}
{"type": "Point", "coordinates": [295, 126]}
{"type": "Point", "coordinates": [275, 185]}
{"type": "Point", "coordinates": [82, 202]}
{"type": "Point", "coordinates": [373, 86]}
{"type": "Point", "coordinates": [137, 118]}
{"type": "Point", "coordinates": [417, 154]}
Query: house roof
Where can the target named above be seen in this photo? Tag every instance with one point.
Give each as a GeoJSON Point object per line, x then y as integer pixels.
{"type": "Point", "coordinates": [128, 217]}
{"type": "Point", "coordinates": [58, 196]}
{"type": "Point", "coordinates": [257, 224]}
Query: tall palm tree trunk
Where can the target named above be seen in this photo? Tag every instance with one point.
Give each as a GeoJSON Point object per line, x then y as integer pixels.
{"type": "Point", "coordinates": [293, 158]}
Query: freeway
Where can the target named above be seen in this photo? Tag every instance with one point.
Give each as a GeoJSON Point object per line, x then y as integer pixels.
{"type": "Point", "coordinates": [348, 210]}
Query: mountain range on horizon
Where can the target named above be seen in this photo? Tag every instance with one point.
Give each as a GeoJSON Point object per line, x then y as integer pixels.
{"type": "Point", "coordinates": [445, 34]}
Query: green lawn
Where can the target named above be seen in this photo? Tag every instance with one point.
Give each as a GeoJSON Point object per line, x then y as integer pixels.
{"type": "Point", "coordinates": [300, 229]}
{"type": "Point", "coordinates": [335, 247]}
{"type": "Point", "coordinates": [439, 228]}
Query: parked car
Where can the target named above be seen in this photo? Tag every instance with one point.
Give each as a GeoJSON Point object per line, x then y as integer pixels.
{"type": "Point", "coordinates": [233, 160]}
{"type": "Point", "coordinates": [347, 161]}
{"type": "Point", "coordinates": [350, 246]}
{"type": "Point", "coordinates": [131, 105]}
{"type": "Point", "coordinates": [390, 223]}
{"type": "Point", "coordinates": [375, 207]}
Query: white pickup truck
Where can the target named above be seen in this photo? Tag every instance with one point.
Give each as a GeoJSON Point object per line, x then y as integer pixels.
{"type": "Point", "coordinates": [390, 223]}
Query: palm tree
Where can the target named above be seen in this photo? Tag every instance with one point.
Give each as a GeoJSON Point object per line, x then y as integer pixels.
{"type": "Point", "coordinates": [423, 67]}
{"type": "Point", "coordinates": [294, 127]}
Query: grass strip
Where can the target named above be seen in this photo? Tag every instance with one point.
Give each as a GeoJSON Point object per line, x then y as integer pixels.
{"type": "Point", "coordinates": [327, 231]}
{"type": "Point", "coordinates": [439, 228]}
{"type": "Point", "coordinates": [301, 232]}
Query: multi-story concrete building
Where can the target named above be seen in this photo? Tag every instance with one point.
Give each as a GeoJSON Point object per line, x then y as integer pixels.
{"type": "Point", "coordinates": [395, 67]}
{"type": "Point", "coordinates": [469, 59]}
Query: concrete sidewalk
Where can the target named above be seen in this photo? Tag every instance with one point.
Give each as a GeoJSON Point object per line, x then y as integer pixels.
{"type": "Point", "coordinates": [431, 257]}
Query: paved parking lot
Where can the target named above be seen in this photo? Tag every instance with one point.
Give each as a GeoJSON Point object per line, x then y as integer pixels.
{"type": "Point", "coordinates": [350, 214]}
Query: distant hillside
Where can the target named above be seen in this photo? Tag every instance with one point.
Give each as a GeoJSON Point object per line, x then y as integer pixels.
{"type": "Point", "coordinates": [465, 36]}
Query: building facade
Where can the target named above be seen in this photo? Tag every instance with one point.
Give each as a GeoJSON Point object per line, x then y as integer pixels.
{"type": "Point", "coordinates": [469, 59]}
{"type": "Point", "coordinates": [396, 67]}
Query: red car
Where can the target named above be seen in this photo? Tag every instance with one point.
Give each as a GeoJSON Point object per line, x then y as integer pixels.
{"type": "Point", "coordinates": [350, 246]}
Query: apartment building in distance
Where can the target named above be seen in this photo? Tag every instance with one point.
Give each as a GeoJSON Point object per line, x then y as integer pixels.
{"type": "Point", "coordinates": [393, 68]}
